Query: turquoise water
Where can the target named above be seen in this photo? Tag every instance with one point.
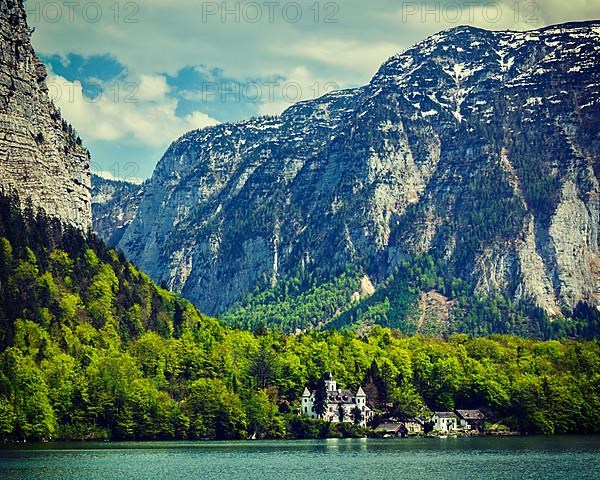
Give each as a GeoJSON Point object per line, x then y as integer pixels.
{"type": "Point", "coordinates": [449, 458]}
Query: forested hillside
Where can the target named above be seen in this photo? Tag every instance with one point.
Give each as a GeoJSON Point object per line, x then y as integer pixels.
{"type": "Point", "coordinates": [90, 348]}
{"type": "Point", "coordinates": [304, 302]}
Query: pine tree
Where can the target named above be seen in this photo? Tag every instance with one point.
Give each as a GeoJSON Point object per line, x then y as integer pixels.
{"type": "Point", "coordinates": [341, 412]}
{"type": "Point", "coordinates": [357, 415]}
{"type": "Point", "coordinates": [321, 398]}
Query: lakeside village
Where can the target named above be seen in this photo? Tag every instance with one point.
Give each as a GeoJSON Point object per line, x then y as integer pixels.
{"type": "Point", "coordinates": [335, 405]}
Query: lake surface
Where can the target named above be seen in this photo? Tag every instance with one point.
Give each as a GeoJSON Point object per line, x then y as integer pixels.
{"type": "Point", "coordinates": [419, 458]}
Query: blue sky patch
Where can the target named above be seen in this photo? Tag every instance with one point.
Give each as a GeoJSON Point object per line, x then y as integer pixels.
{"type": "Point", "coordinates": [225, 98]}
{"type": "Point", "coordinates": [94, 71]}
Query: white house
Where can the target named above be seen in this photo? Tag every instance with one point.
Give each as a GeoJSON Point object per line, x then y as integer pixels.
{"type": "Point", "coordinates": [337, 400]}
{"type": "Point", "coordinates": [444, 421]}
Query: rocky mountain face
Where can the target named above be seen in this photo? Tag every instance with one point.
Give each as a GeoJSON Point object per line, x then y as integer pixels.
{"type": "Point", "coordinates": [114, 206]}
{"type": "Point", "coordinates": [477, 147]}
{"type": "Point", "coordinates": [41, 157]}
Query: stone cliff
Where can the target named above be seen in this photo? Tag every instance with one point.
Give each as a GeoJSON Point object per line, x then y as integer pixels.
{"type": "Point", "coordinates": [114, 206]}
{"type": "Point", "coordinates": [41, 157]}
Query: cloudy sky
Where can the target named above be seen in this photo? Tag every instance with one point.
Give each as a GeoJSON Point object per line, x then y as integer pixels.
{"type": "Point", "coordinates": [133, 76]}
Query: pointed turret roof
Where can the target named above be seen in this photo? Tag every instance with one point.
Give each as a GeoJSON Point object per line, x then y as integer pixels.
{"type": "Point", "coordinates": [361, 392]}
{"type": "Point", "coordinates": [306, 392]}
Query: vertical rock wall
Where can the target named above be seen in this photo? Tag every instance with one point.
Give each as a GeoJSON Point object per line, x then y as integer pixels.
{"type": "Point", "coordinates": [41, 158]}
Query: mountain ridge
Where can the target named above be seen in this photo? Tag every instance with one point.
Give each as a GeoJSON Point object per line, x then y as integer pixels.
{"type": "Point", "coordinates": [444, 152]}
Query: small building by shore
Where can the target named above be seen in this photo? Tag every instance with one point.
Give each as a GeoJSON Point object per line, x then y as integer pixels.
{"type": "Point", "coordinates": [460, 420]}
{"type": "Point", "coordinates": [409, 426]}
{"type": "Point", "coordinates": [444, 421]}
{"type": "Point", "coordinates": [393, 429]}
{"type": "Point", "coordinates": [471, 420]}
{"type": "Point", "coordinates": [414, 425]}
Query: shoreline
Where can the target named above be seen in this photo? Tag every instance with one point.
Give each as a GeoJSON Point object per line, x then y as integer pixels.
{"type": "Point", "coordinates": [4, 445]}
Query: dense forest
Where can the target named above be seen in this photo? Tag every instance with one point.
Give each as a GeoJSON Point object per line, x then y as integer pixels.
{"type": "Point", "coordinates": [90, 348]}
{"type": "Point", "coordinates": [300, 302]}
{"type": "Point", "coordinates": [305, 301]}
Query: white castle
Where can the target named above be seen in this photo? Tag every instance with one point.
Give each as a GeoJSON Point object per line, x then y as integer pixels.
{"type": "Point", "coordinates": [338, 401]}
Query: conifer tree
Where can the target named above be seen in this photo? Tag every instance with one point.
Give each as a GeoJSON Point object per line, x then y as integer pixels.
{"type": "Point", "coordinates": [321, 398]}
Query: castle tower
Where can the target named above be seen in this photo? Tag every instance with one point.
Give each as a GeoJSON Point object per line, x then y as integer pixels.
{"type": "Point", "coordinates": [330, 383]}
{"type": "Point", "coordinates": [361, 399]}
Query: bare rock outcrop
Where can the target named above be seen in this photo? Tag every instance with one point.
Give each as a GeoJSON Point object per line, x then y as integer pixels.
{"type": "Point", "coordinates": [41, 157]}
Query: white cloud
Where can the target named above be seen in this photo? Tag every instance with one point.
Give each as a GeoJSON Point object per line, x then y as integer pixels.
{"type": "Point", "coordinates": [152, 87]}
{"type": "Point", "coordinates": [347, 54]}
{"type": "Point", "coordinates": [300, 84]}
{"type": "Point", "coordinates": [558, 11]}
{"type": "Point", "coordinates": [171, 34]}
{"type": "Point", "coordinates": [148, 117]}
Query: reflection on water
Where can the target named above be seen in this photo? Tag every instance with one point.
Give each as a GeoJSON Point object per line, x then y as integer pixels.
{"type": "Point", "coordinates": [451, 458]}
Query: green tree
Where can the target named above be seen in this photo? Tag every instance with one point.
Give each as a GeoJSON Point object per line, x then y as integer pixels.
{"type": "Point", "coordinates": [31, 413]}
{"type": "Point", "coordinates": [341, 411]}
{"type": "Point", "coordinates": [357, 415]}
{"type": "Point", "coordinates": [6, 257]}
{"type": "Point", "coordinates": [320, 403]}
{"type": "Point", "coordinates": [262, 415]}
{"type": "Point", "coordinates": [214, 412]}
